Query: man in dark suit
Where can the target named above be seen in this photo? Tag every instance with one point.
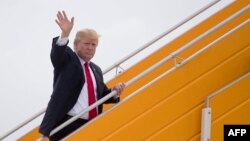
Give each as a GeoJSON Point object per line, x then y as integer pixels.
{"type": "Point", "coordinates": [78, 82]}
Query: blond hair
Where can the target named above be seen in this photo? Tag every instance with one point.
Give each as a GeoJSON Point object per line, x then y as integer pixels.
{"type": "Point", "coordinates": [87, 32]}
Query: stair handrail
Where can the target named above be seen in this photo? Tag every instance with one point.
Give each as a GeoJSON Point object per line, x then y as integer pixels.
{"type": "Point", "coordinates": [171, 56]}
{"type": "Point", "coordinates": [157, 38]}
{"type": "Point", "coordinates": [122, 61]}
{"type": "Point", "coordinates": [207, 101]}
{"type": "Point", "coordinates": [207, 111]}
{"type": "Point", "coordinates": [22, 124]}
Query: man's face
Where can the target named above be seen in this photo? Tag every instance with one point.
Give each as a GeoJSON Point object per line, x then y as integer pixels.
{"type": "Point", "coordinates": [86, 48]}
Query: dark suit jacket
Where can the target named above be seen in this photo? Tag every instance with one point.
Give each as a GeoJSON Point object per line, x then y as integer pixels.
{"type": "Point", "coordinates": [67, 84]}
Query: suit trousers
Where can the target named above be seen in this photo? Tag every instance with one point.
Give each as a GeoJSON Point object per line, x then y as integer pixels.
{"type": "Point", "coordinates": [68, 129]}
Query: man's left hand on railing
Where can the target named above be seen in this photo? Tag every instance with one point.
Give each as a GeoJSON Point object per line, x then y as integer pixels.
{"type": "Point", "coordinates": [119, 89]}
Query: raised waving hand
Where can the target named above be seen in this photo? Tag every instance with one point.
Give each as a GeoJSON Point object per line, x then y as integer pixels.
{"type": "Point", "coordinates": [64, 23]}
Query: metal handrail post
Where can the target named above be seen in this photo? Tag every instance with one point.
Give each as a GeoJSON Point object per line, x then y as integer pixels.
{"type": "Point", "coordinates": [207, 111]}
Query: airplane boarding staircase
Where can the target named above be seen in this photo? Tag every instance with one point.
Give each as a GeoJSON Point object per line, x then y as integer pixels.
{"type": "Point", "coordinates": [206, 67]}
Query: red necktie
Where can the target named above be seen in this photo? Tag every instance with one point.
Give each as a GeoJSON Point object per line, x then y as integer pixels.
{"type": "Point", "coordinates": [91, 93]}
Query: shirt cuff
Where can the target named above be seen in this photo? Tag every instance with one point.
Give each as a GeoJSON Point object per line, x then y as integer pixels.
{"type": "Point", "coordinates": [62, 41]}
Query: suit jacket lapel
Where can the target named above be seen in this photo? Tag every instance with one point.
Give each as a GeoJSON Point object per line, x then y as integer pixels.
{"type": "Point", "coordinates": [97, 78]}
{"type": "Point", "coordinates": [79, 66]}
